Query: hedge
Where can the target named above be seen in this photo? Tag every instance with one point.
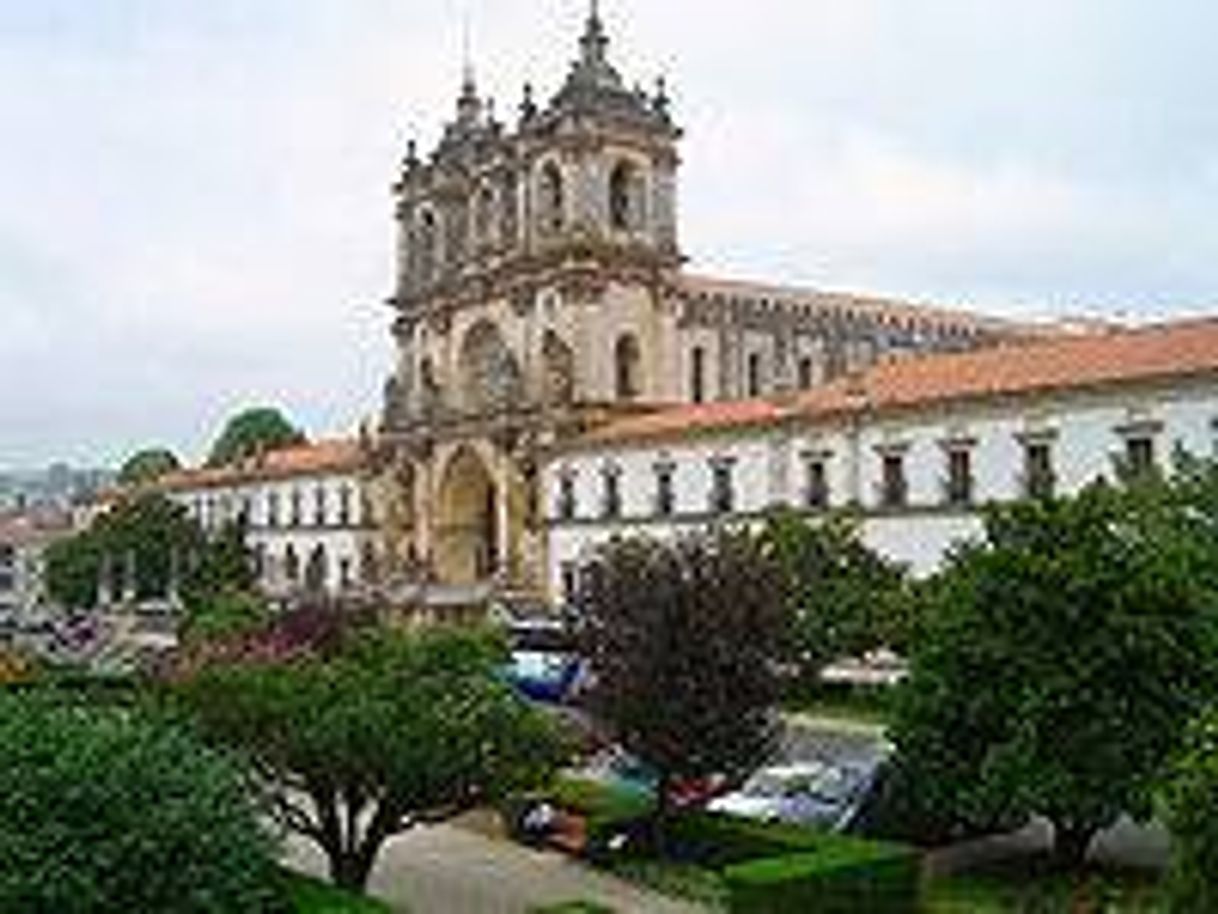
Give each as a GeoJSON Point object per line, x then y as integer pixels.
{"type": "Point", "coordinates": [777, 868]}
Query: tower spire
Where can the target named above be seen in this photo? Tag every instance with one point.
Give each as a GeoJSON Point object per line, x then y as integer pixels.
{"type": "Point", "coordinates": [594, 41]}
{"type": "Point", "coordinates": [469, 106]}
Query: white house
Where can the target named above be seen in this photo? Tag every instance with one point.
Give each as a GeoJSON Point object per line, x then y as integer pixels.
{"type": "Point", "coordinates": [913, 444]}
{"type": "Point", "coordinates": [24, 538]}
{"type": "Point", "coordinates": [309, 522]}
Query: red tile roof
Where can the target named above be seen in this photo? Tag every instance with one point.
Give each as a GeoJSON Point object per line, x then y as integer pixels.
{"type": "Point", "coordinates": [334, 456]}
{"type": "Point", "coordinates": [1159, 352]}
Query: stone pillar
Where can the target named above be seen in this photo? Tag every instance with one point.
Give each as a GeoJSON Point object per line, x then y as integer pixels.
{"type": "Point", "coordinates": [105, 583]}
{"type": "Point", "coordinates": [130, 589]}
{"type": "Point", "coordinates": [503, 516]}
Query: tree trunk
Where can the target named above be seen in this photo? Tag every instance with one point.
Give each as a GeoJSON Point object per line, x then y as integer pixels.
{"type": "Point", "coordinates": [1070, 845]}
{"type": "Point", "coordinates": [349, 870]}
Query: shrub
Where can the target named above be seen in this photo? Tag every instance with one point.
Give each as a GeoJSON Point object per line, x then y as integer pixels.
{"type": "Point", "coordinates": [310, 896]}
{"type": "Point", "coordinates": [775, 867]}
{"type": "Point", "coordinates": [1191, 798]}
{"type": "Point", "coordinates": [104, 811]}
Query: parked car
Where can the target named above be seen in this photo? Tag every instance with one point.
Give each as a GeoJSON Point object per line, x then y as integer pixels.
{"type": "Point", "coordinates": [820, 793]}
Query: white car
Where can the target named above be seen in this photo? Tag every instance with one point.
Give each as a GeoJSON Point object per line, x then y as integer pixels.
{"type": "Point", "coordinates": [818, 793]}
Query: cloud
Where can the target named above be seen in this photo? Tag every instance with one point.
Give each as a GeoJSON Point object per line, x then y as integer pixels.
{"type": "Point", "coordinates": [194, 206]}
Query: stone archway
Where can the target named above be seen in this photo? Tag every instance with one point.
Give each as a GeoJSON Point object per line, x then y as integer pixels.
{"type": "Point", "coordinates": [467, 532]}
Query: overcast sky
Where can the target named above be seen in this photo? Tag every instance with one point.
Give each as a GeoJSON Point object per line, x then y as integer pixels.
{"type": "Point", "coordinates": [194, 206]}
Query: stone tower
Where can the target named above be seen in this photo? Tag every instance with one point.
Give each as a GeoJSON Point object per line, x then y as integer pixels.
{"type": "Point", "coordinates": [535, 295]}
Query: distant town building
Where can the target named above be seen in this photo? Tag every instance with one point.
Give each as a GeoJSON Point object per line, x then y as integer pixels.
{"type": "Point", "coordinates": [24, 539]}
{"type": "Point", "coordinates": [311, 527]}
{"type": "Point", "coordinates": [914, 446]}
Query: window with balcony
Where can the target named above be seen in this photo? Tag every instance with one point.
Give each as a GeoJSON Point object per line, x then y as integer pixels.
{"type": "Point", "coordinates": [958, 490]}
{"type": "Point", "coordinates": [1039, 476]}
{"type": "Point", "coordinates": [611, 493]}
{"type": "Point", "coordinates": [666, 495]}
{"type": "Point", "coordinates": [816, 485]}
{"type": "Point", "coordinates": [723, 486]}
{"type": "Point", "coordinates": [894, 488]}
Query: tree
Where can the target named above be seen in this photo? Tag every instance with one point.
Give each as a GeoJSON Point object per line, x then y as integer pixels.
{"type": "Point", "coordinates": [1058, 665]}
{"type": "Point", "coordinates": [683, 641]}
{"type": "Point", "coordinates": [107, 811]}
{"type": "Point", "coordinates": [148, 466]}
{"type": "Point", "coordinates": [844, 599]}
{"type": "Point", "coordinates": [251, 431]}
{"type": "Point", "coordinates": [384, 733]}
{"type": "Point", "coordinates": [148, 531]}
{"type": "Point", "coordinates": [1190, 798]}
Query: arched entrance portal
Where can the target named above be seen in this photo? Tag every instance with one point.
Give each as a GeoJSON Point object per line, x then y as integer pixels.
{"type": "Point", "coordinates": [467, 534]}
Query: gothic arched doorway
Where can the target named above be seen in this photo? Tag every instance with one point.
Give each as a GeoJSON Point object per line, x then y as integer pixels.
{"type": "Point", "coordinates": [468, 532]}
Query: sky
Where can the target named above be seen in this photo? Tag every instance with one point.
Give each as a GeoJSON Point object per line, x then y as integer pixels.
{"type": "Point", "coordinates": [194, 194]}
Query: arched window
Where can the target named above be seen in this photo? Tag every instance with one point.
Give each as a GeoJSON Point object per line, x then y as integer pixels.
{"type": "Point", "coordinates": [428, 235]}
{"type": "Point", "coordinates": [697, 375]}
{"type": "Point", "coordinates": [559, 366]}
{"type": "Point", "coordinates": [805, 372]}
{"type": "Point", "coordinates": [622, 216]}
{"type": "Point", "coordinates": [627, 364]}
{"type": "Point", "coordinates": [551, 200]}
{"type": "Point", "coordinates": [484, 216]}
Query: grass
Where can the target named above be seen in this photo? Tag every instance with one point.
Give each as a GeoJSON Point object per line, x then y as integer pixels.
{"type": "Point", "coordinates": [677, 880]}
{"type": "Point", "coordinates": [858, 704]}
{"type": "Point", "coordinates": [574, 907]}
{"type": "Point", "coordinates": [311, 896]}
{"type": "Point", "coordinates": [1028, 887]}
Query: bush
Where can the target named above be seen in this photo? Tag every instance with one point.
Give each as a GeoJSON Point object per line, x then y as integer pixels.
{"type": "Point", "coordinates": [1191, 798]}
{"type": "Point", "coordinates": [103, 811]}
{"type": "Point", "coordinates": [310, 896]}
{"type": "Point", "coordinates": [778, 867]}
{"type": "Point", "coordinates": [843, 876]}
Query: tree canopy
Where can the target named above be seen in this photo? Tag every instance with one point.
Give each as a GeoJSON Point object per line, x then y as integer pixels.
{"type": "Point", "coordinates": [248, 432]}
{"type": "Point", "coordinates": [843, 598]}
{"type": "Point", "coordinates": [1059, 663]}
{"type": "Point", "coordinates": [147, 466]}
{"type": "Point", "coordinates": [683, 640]}
{"type": "Point", "coordinates": [378, 733]}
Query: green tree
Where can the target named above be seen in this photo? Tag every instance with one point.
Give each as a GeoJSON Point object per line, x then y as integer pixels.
{"type": "Point", "coordinates": [1059, 662]}
{"type": "Point", "coordinates": [684, 641]}
{"type": "Point", "coordinates": [261, 428]}
{"type": "Point", "coordinates": [388, 732]}
{"type": "Point", "coordinates": [149, 531]}
{"type": "Point", "coordinates": [1190, 798]}
{"type": "Point", "coordinates": [844, 599]}
{"type": "Point", "coordinates": [148, 466]}
{"type": "Point", "coordinates": [105, 811]}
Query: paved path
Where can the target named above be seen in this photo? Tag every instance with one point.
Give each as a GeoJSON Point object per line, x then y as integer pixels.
{"type": "Point", "coordinates": [449, 870]}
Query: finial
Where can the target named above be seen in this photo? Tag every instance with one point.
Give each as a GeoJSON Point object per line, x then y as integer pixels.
{"type": "Point", "coordinates": [661, 101]}
{"type": "Point", "coordinates": [528, 108]}
{"type": "Point", "coordinates": [412, 153]}
{"type": "Point", "coordinates": [594, 41]}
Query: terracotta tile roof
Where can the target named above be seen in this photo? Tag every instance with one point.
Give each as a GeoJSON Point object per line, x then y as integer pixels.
{"type": "Point", "coordinates": [333, 456]}
{"type": "Point", "coordinates": [1159, 352]}
{"type": "Point", "coordinates": [689, 420]}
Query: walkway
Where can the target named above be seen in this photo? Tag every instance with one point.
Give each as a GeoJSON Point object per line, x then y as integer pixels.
{"type": "Point", "coordinates": [450, 870]}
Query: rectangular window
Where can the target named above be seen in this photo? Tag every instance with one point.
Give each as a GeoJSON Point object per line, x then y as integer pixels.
{"type": "Point", "coordinates": [754, 375]}
{"type": "Point", "coordinates": [816, 495]}
{"type": "Point", "coordinates": [297, 508]}
{"type": "Point", "coordinates": [1039, 478]}
{"type": "Point", "coordinates": [805, 373]}
{"type": "Point", "coordinates": [959, 476]}
{"type": "Point", "coordinates": [697, 375]}
{"type": "Point", "coordinates": [567, 507]}
{"type": "Point", "coordinates": [272, 510]}
{"type": "Point", "coordinates": [1140, 454]}
{"type": "Point", "coordinates": [894, 492]}
{"type": "Point", "coordinates": [666, 497]}
{"type": "Point", "coordinates": [344, 506]}
{"type": "Point", "coordinates": [611, 499]}
{"type": "Point", "coordinates": [319, 507]}
{"type": "Point", "coordinates": [723, 490]}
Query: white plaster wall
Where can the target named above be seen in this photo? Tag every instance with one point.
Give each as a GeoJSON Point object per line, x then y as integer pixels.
{"type": "Point", "coordinates": [770, 467]}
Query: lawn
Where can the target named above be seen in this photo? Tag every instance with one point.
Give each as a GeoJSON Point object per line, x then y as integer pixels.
{"type": "Point", "coordinates": [310, 896]}
{"type": "Point", "coordinates": [1026, 887]}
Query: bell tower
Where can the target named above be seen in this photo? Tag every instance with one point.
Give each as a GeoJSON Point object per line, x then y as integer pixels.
{"type": "Point", "coordinates": [536, 269]}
